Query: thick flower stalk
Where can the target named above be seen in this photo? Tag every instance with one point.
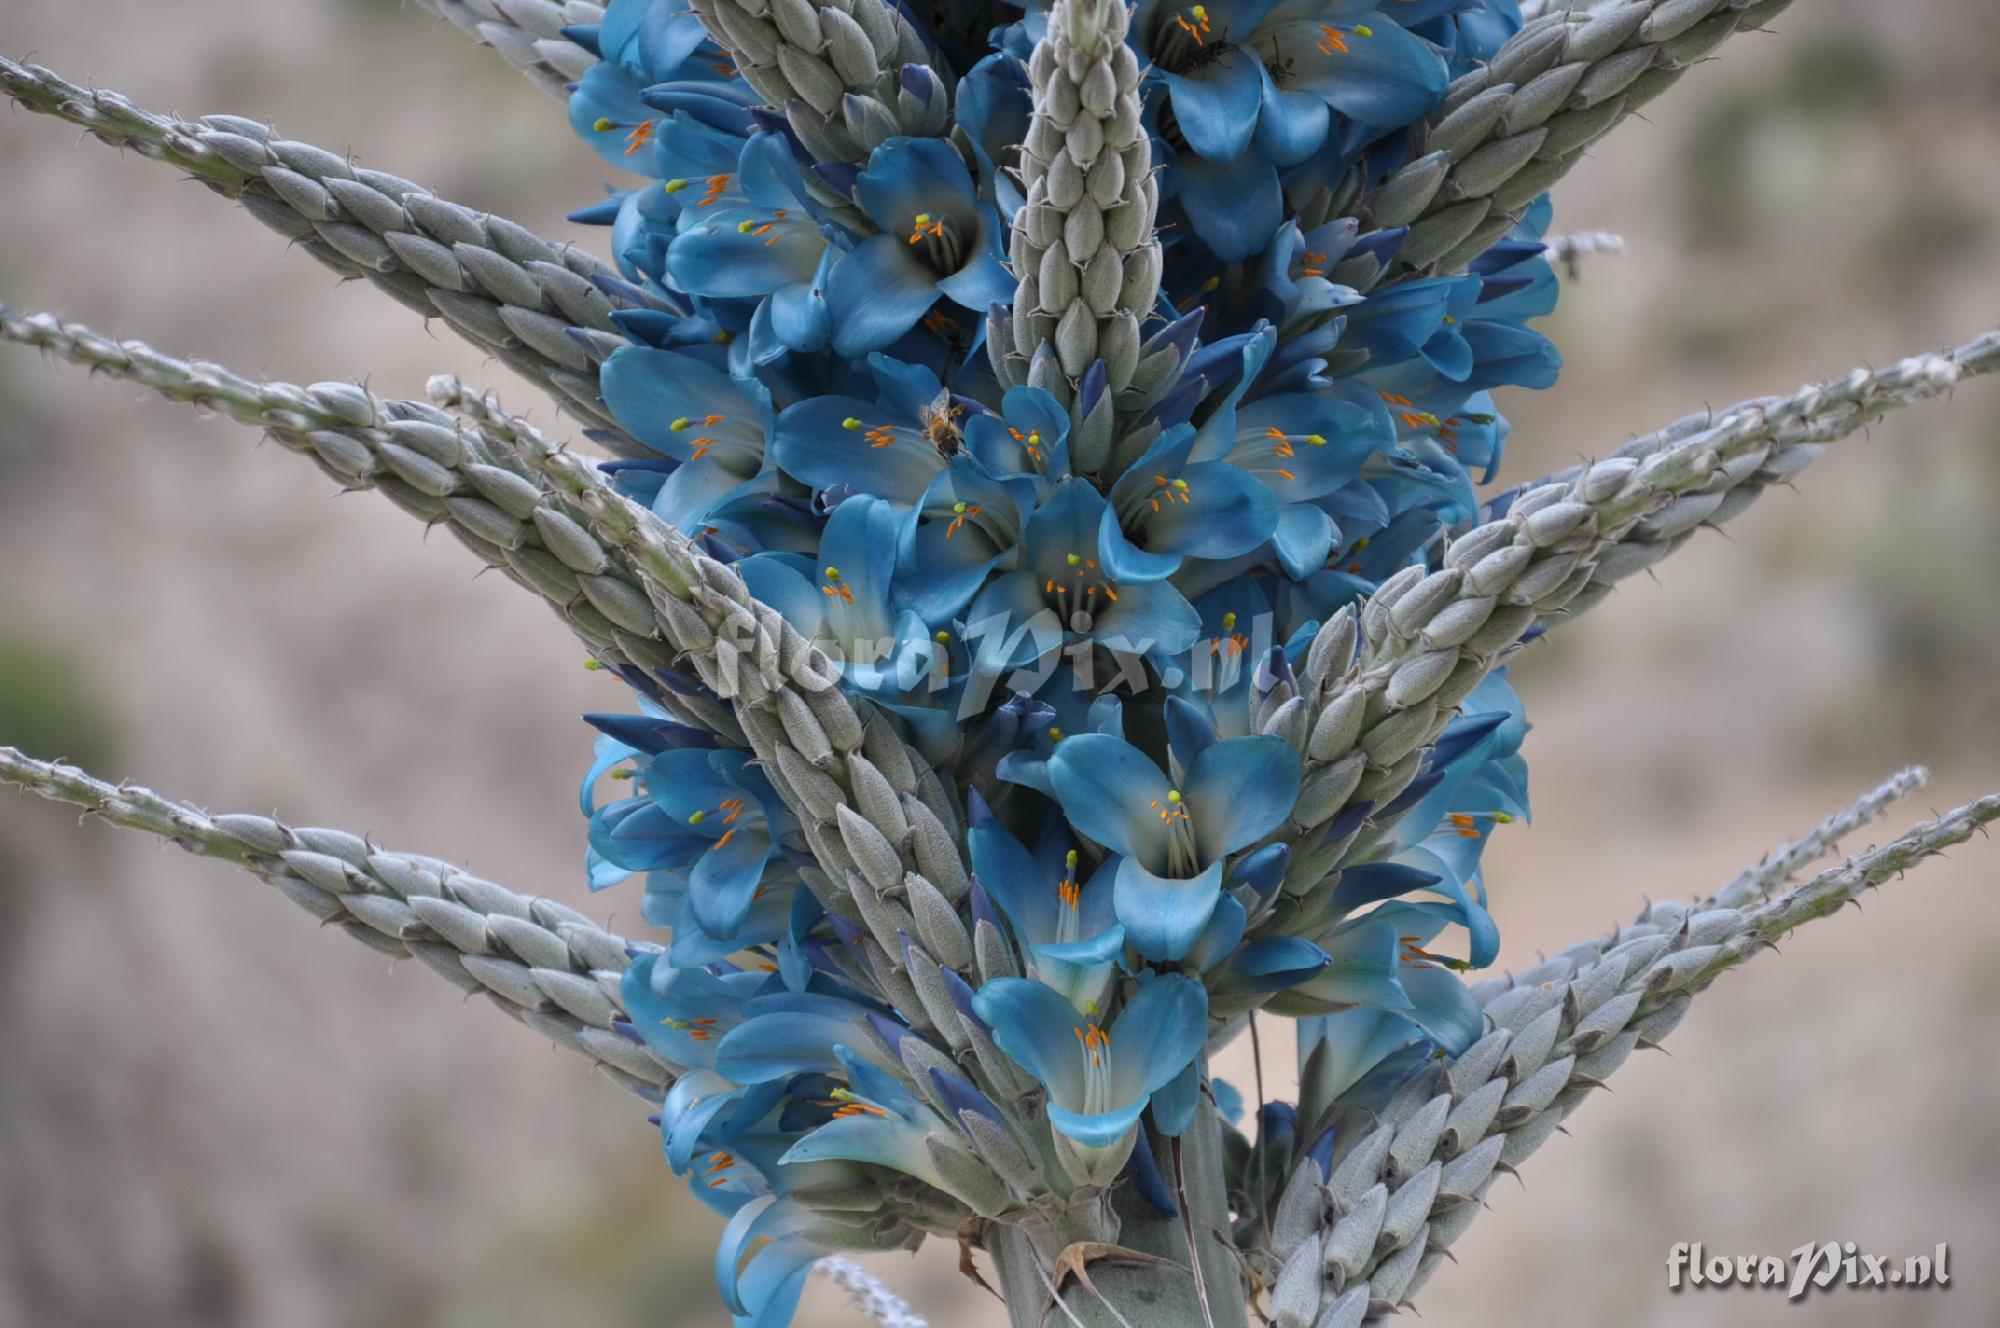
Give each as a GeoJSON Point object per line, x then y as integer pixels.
{"type": "Point", "coordinates": [847, 74]}
{"type": "Point", "coordinates": [1013, 725]}
{"type": "Point", "coordinates": [1083, 243]}
{"type": "Point", "coordinates": [1356, 1233]}
{"type": "Point", "coordinates": [539, 307]}
{"type": "Point", "coordinates": [1795, 429]}
{"type": "Point", "coordinates": [430, 464]}
{"type": "Point", "coordinates": [528, 34]}
{"type": "Point", "coordinates": [541, 962]}
{"type": "Point", "coordinates": [1509, 129]}
{"type": "Point", "coordinates": [1378, 689]}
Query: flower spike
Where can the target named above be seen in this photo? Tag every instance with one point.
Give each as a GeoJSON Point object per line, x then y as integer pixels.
{"type": "Point", "coordinates": [1511, 128]}
{"type": "Point", "coordinates": [531, 303]}
{"type": "Point", "coordinates": [1083, 247]}
{"type": "Point", "coordinates": [528, 36]}
{"type": "Point", "coordinates": [428, 463]}
{"type": "Point", "coordinates": [1796, 428]}
{"type": "Point", "coordinates": [1403, 1184]}
{"type": "Point", "coordinates": [541, 962]}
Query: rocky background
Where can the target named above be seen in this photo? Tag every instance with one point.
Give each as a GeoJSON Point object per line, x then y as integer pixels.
{"type": "Point", "coordinates": [209, 1115]}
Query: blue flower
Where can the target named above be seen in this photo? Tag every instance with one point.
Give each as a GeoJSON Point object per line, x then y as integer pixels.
{"type": "Point", "coordinates": [1173, 839]}
{"type": "Point", "coordinates": [892, 447]}
{"type": "Point", "coordinates": [937, 240]}
{"type": "Point", "coordinates": [1252, 86]}
{"type": "Point", "coordinates": [760, 238]}
{"type": "Point", "coordinates": [844, 601]}
{"type": "Point", "coordinates": [688, 410]}
{"type": "Point", "coordinates": [1066, 585]}
{"type": "Point", "coordinates": [1069, 936]}
{"type": "Point", "coordinates": [704, 829]}
{"type": "Point", "coordinates": [1099, 1079]}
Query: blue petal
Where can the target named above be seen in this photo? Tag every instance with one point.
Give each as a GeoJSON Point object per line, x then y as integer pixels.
{"type": "Point", "coordinates": [1235, 206]}
{"type": "Point", "coordinates": [1173, 1105]}
{"type": "Point", "coordinates": [1014, 880]}
{"type": "Point", "coordinates": [1385, 78]}
{"type": "Point", "coordinates": [1109, 790]}
{"type": "Point", "coordinates": [1216, 106]}
{"type": "Point", "coordinates": [1241, 790]}
{"type": "Point", "coordinates": [1037, 1029]}
{"type": "Point", "coordinates": [1159, 1033]}
{"type": "Point", "coordinates": [1164, 916]}
{"type": "Point", "coordinates": [877, 293]}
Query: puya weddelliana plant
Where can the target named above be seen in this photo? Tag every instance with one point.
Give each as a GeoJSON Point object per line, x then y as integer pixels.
{"type": "Point", "coordinates": [1043, 541]}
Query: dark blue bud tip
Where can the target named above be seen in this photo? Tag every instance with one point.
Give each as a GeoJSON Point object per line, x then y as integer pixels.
{"type": "Point", "coordinates": [1144, 1169]}
{"type": "Point", "coordinates": [838, 175]}
{"type": "Point", "coordinates": [849, 934]}
{"type": "Point", "coordinates": [982, 904]}
{"type": "Point", "coordinates": [1349, 821]}
{"type": "Point", "coordinates": [1096, 382]}
{"type": "Point", "coordinates": [889, 1031]}
{"type": "Point", "coordinates": [1419, 788]}
{"type": "Point", "coordinates": [1273, 669]}
{"type": "Point", "coordinates": [626, 1029]}
{"type": "Point", "coordinates": [961, 998]}
{"type": "Point", "coordinates": [584, 35]}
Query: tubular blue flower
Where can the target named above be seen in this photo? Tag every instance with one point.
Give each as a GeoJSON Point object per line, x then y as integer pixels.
{"type": "Point", "coordinates": [842, 602]}
{"type": "Point", "coordinates": [1099, 1079]}
{"type": "Point", "coordinates": [1475, 781]}
{"type": "Point", "coordinates": [709, 815]}
{"type": "Point", "coordinates": [1066, 585]}
{"type": "Point", "coordinates": [966, 525]}
{"type": "Point", "coordinates": [1173, 840]}
{"type": "Point", "coordinates": [1379, 961]}
{"type": "Point", "coordinates": [785, 1033]}
{"type": "Point", "coordinates": [875, 1119]}
{"type": "Point", "coordinates": [1167, 508]}
{"type": "Point", "coordinates": [1068, 935]}
{"type": "Point", "coordinates": [1252, 86]}
{"type": "Point", "coordinates": [892, 447]}
{"type": "Point", "coordinates": [1030, 435]}
{"type": "Point", "coordinates": [696, 414]}
{"type": "Point", "coordinates": [683, 1012]}
{"type": "Point", "coordinates": [938, 240]}
{"type": "Point", "coordinates": [760, 238]}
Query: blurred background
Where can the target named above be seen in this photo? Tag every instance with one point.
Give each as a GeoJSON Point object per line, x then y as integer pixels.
{"type": "Point", "coordinates": [210, 1115]}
